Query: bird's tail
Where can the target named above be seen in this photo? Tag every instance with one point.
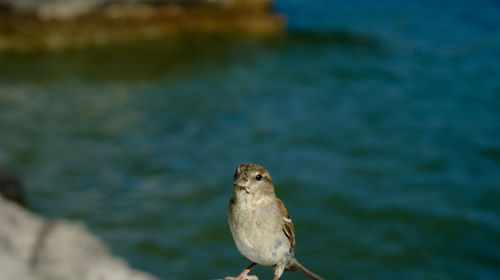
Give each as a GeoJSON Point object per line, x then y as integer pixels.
{"type": "Point", "coordinates": [294, 265]}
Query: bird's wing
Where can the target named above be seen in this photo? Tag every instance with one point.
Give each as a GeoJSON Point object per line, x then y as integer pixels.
{"type": "Point", "coordinates": [287, 222]}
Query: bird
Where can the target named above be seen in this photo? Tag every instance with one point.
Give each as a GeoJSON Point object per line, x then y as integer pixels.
{"type": "Point", "coordinates": [261, 225]}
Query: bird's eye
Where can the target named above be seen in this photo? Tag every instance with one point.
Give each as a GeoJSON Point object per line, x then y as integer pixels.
{"type": "Point", "coordinates": [258, 177]}
{"type": "Point", "coordinates": [235, 174]}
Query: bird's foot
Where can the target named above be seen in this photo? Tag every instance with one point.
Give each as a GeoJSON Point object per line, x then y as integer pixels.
{"type": "Point", "coordinates": [243, 276]}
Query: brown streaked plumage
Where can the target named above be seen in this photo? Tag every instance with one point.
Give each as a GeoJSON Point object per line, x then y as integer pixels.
{"type": "Point", "coordinates": [287, 225]}
{"type": "Point", "coordinates": [261, 225]}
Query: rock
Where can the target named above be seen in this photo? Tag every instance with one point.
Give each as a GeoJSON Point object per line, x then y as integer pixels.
{"type": "Point", "coordinates": [69, 249]}
{"type": "Point", "coordinates": [34, 248]}
{"type": "Point", "coordinates": [19, 230]}
{"type": "Point", "coordinates": [13, 267]}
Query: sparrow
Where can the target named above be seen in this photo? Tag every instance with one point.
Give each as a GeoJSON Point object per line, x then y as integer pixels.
{"type": "Point", "coordinates": [260, 224]}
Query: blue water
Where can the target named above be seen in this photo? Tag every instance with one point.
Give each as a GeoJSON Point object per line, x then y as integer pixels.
{"type": "Point", "coordinates": [378, 121]}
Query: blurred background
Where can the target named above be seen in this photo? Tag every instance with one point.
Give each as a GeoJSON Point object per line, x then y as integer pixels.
{"type": "Point", "coordinates": [379, 122]}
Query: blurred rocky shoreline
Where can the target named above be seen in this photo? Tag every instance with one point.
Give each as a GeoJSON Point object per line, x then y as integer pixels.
{"type": "Point", "coordinates": [34, 248]}
{"type": "Point", "coordinates": [58, 24]}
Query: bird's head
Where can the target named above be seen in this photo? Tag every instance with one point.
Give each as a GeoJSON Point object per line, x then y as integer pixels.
{"type": "Point", "coordinates": [252, 178]}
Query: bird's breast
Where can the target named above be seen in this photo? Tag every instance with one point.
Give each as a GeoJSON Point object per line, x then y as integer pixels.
{"type": "Point", "coordinates": [256, 229]}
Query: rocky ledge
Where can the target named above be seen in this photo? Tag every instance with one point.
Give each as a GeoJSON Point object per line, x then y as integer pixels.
{"type": "Point", "coordinates": [33, 248]}
{"type": "Point", "coordinates": [57, 24]}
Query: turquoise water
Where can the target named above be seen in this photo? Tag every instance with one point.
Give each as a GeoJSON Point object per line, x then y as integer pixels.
{"type": "Point", "coordinates": [380, 124]}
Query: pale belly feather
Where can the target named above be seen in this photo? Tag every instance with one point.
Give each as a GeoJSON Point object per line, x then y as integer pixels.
{"type": "Point", "coordinates": [267, 244]}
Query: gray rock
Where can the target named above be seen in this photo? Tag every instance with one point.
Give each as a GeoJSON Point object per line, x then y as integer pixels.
{"type": "Point", "coordinates": [32, 248]}
{"type": "Point", "coordinates": [19, 230]}
{"type": "Point", "coordinates": [14, 267]}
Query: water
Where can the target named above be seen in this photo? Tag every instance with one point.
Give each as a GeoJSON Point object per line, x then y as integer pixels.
{"type": "Point", "coordinates": [380, 124]}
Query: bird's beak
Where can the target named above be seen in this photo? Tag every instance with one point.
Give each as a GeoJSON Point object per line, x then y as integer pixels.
{"type": "Point", "coordinates": [240, 180]}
